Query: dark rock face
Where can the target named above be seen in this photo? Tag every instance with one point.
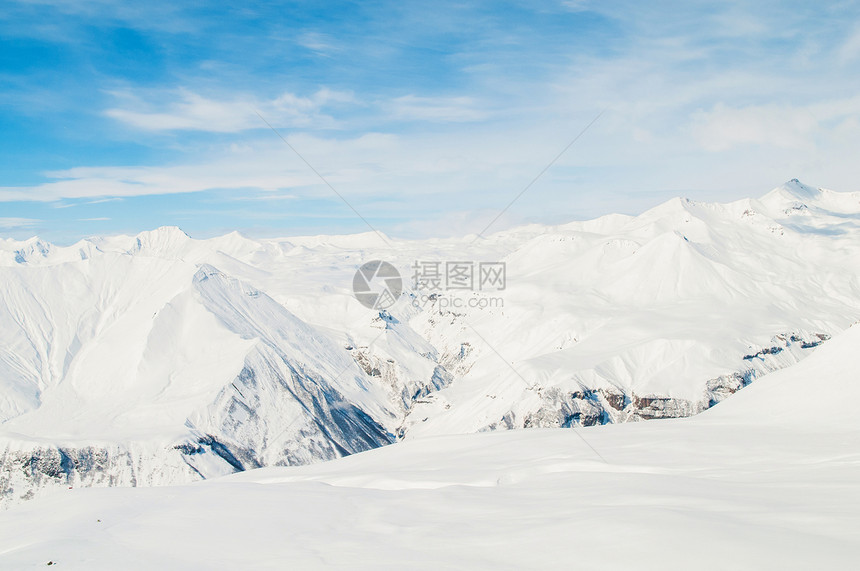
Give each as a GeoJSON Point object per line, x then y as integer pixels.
{"type": "Point", "coordinates": [588, 407]}
{"type": "Point", "coordinates": [25, 472]}
{"type": "Point", "coordinates": [616, 400]}
{"type": "Point", "coordinates": [766, 351]}
{"type": "Point", "coordinates": [726, 385]}
{"type": "Point", "coordinates": [583, 408]}
{"type": "Point", "coordinates": [653, 407]}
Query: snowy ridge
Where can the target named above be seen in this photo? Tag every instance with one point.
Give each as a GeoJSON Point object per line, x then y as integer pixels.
{"type": "Point", "coordinates": [171, 359]}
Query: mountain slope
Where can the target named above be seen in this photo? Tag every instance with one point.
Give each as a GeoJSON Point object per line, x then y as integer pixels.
{"type": "Point", "coordinates": [746, 485]}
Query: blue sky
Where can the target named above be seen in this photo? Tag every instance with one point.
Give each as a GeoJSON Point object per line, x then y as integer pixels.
{"type": "Point", "coordinates": [427, 117]}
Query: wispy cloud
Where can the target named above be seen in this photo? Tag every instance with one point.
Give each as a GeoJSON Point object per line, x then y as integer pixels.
{"type": "Point", "coordinates": [850, 49]}
{"type": "Point", "coordinates": [7, 223]}
{"type": "Point", "coordinates": [266, 196]}
{"type": "Point", "coordinates": [774, 125]}
{"type": "Point", "coordinates": [374, 164]}
{"type": "Point", "coordinates": [186, 110]}
{"type": "Point", "coordinates": [725, 127]}
{"type": "Point", "coordinates": [14, 192]}
{"type": "Point", "coordinates": [318, 42]}
{"type": "Point", "coordinates": [439, 109]}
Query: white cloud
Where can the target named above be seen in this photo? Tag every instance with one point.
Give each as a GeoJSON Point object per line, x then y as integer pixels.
{"type": "Point", "coordinates": [190, 111]}
{"type": "Point", "coordinates": [265, 196]}
{"type": "Point", "coordinates": [576, 5]}
{"type": "Point", "coordinates": [771, 125]}
{"type": "Point", "coordinates": [850, 49]}
{"type": "Point", "coordinates": [725, 127]}
{"type": "Point", "coordinates": [438, 109]}
{"type": "Point", "coordinates": [401, 174]}
{"type": "Point", "coordinates": [322, 44]}
{"type": "Point", "coordinates": [187, 110]}
{"type": "Point", "coordinates": [7, 223]}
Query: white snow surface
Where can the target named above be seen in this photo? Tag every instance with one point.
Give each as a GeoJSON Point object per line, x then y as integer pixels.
{"type": "Point", "coordinates": [159, 359]}
{"type": "Point", "coordinates": [762, 481]}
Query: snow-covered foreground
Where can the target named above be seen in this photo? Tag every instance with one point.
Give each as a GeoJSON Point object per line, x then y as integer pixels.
{"type": "Point", "coordinates": [766, 480]}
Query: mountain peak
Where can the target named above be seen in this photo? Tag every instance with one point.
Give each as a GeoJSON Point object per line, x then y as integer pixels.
{"type": "Point", "coordinates": [163, 240]}
{"type": "Point", "coordinates": [797, 190]}
{"type": "Point", "coordinates": [33, 248]}
{"type": "Point", "coordinates": [165, 231]}
{"type": "Point", "coordinates": [791, 194]}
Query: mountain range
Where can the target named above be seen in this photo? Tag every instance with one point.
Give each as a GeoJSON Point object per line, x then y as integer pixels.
{"type": "Point", "coordinates": [160, 359]}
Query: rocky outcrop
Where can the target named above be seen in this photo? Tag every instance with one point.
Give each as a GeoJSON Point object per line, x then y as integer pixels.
{"type": "Point", "coordinates": [589, 407]}
{"type": "Point", "coordinates": [30, 470]}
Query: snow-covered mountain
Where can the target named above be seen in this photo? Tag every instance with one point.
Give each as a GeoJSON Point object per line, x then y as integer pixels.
{"type": "Point", "coordinates": [158, 359]}
{"type": "Point", "coordinates": [757, 482]}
